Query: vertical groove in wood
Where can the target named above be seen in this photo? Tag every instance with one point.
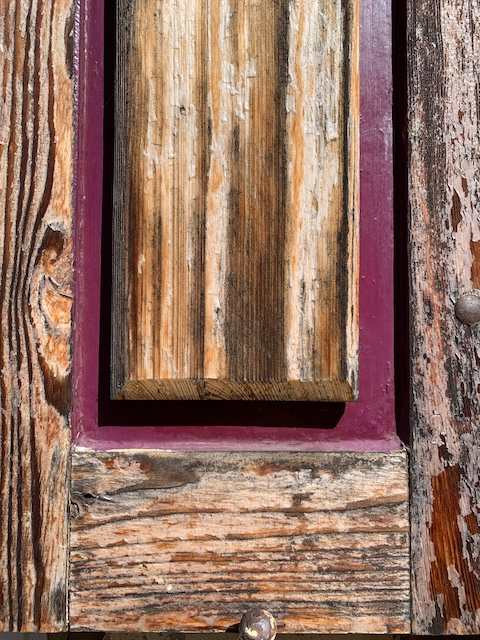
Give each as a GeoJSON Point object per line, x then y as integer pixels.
{"type": "Point", "coordinates": [443, 50]}
{"type": "Point", "coordinates": [36, 164]}
{"type": "Point", "coordinates": [234, 237]}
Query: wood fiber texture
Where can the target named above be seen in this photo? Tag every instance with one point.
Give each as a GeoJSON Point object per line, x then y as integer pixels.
{"type": "Point", "coordinates": [236, 214]}
{"type": "Point", "coordinates": [443, 52]}
{"type": "Point", "coordinates": [191, 541]}
{"type": "Point", "coordinates": [36, 174]}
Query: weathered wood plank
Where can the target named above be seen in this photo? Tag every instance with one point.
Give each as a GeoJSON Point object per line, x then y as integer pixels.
{"type": "Point", "coordinates": [443, 51]}
{"type": "Point", "coordinates": [36, 171]}
{"type": "Point", "coordinates": [174, 635]}
{"type": "Point", "coordinates": [236, 214]}
{"type": "Point", "coordinates": [191, 541]}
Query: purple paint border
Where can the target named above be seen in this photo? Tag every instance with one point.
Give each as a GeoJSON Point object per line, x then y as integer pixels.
{"type": "Point", "coordinates": [369, 424]}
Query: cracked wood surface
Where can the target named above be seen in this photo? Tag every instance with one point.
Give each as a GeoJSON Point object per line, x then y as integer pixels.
{"type": "Point", "coordinates": [443, 53]}
{"type": "Point", "coordinates": [36, 172]}
{"type": "Point", "coordinates": [191, 541]}
{"type": "Point", "coordinates": [236, 213]}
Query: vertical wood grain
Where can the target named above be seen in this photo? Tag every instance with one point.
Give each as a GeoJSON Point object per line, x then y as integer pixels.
{"type": "Point", "coordinates": [443, 51]}
{"type": "Point", "coordinates": [36, 164]}
{"type": "Point", "coordinates": [236, 213]}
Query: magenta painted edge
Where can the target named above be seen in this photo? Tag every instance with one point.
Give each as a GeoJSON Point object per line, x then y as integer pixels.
{"type": "Point", "coordinates": [369, 424]}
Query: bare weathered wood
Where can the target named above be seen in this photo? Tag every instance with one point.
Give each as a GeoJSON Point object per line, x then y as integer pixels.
{"type": "Point", "coordinates": [236, 214]}
{"type": "Point", "coordinates": [444, 50]}
{"type": "Point", "coordinates": [191, 541]}
{"type": "Point", "coordinates": [175, 635]}
{"type": "Point", "coordinates": [36, 170]}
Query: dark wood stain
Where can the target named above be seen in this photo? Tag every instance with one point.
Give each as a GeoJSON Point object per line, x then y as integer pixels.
{"type": "Point", "coordinates": [123, 190]}
{"type": "Point", "coordinates": [449, 547]}
{"type": "Point", "coordinates": [197, 304]}
{"type": "Point", "coordinates": [342, 271]}
{"type": "Point", "coordinates": [9, 423]}
{"type": "Point", "coordinates": [258, 196]}
{"type": "Point", "coordinates": [475, 272]}
{"type": "Point", "coordinates": [456, 212]}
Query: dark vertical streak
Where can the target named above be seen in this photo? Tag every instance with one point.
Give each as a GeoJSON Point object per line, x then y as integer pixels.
{"type": "Point", "coordinates": [343, 264]}
{"type": "Point", "coordinates": [6, 301]}
{"type": "Point", "coordinates": [279, 186]}
{"type": "Point", "coordinates": [257, 203]}
{"type": "Point", "coordinates": [197, 303]}
{"type": "Point", "coordinates": [237, 320]}
{"type": "Point", "coordinates": [132, 99]}
{"type": "Point", "coordinates": [123, 198]}
{"type": "Point", "coordinates": [14, 321]}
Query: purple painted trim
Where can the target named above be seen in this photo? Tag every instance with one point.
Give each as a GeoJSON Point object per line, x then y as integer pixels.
{"type": "Point", "coordinates": [369, 424]}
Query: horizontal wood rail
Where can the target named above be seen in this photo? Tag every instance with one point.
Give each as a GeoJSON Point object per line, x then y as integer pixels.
{"type": "Point", "coordinates": [189, 541]}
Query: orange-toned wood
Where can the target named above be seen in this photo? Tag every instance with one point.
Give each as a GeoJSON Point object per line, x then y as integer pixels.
{"type": "Point", "coordinates": [444, 48]}
{"type": "Point", "coordinates": [190, 541]}
{"type": "Point", "coordinates": [36, 177]}
{"type": "Point", "coordinates": [236, 212]}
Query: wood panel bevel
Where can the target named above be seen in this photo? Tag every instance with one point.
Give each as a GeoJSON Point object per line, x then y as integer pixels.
{"type": "Point", "coordinates": [236, 200]}
{"type": "Point", "coordinates": [189, 541]}
{"type": "Point", "coordinates": [444, 187]}
{"type": "Point", "coordinates": [36, 178]}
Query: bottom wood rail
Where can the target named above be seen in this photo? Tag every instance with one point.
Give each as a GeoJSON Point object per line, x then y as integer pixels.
{"type": "Point", "coordinates": [189, 541]}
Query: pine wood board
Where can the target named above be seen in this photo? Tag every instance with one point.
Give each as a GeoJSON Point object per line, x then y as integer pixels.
{"type": "Point", "coordinates": [444, 133]}
{"type": "Point", "coordinates": [236, 200]}
{"type": "Point", "coordinates": [189, 541]}
{"type": "Point", "coordinates": [36, 177]}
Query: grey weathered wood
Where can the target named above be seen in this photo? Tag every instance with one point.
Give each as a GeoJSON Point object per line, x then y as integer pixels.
{"type": "Point", "coordinates": [36, 172]}
{"type": "Point", "coordinates": [443, 55]}
{"type": "Point", "coordinates": [190, 541]}
{"type": "Point", "coordinates": [236, 213]}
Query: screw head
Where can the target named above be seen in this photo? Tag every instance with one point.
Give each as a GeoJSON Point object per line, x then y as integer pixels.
{"type": "Point", "coordinates": [467, 308]}
{"type": "Point", "coordinates": [257, 624]}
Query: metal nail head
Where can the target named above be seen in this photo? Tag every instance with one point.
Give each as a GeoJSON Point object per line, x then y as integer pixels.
{"type": "Point", "coordinates": [257, 624]}
{"type": "Point", "coordinates": [467, 308]}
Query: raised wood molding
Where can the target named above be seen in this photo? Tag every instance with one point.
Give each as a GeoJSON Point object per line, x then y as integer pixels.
{"type": "Point", "coordinates": [36, 178]}
{"type": "Point", "coordinates": [236, 200]}
{"type": "Point", "coordinates": [444, 133]}
{"type": "Point", "coordinates": [189, 541]}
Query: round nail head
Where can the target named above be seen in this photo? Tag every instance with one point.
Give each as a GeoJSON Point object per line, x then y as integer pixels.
{"type": "Point", "coordinates": [467, 308]}
{"type": "Point", "coordinates": [257, 624]}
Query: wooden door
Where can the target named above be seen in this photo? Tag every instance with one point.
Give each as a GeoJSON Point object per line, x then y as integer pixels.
{"type": "Point", "coordinates": [37, 135]}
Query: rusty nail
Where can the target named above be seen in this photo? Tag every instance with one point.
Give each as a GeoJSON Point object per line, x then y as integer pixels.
{"type": "Point", "coordinates": [467, 308]}
{"type": "Point", "coordinates": [257, 624]}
